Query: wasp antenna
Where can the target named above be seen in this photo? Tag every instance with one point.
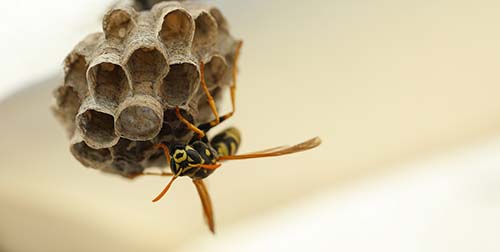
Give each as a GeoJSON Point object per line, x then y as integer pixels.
{"type": "Point", "coordinates": [165, 190]}
{"type": "Point", "coordinates": [210, 166]}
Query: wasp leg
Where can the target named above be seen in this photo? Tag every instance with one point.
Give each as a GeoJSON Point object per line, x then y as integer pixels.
{"type": "Point", "coordinates": [207, 126]}
{"type": "Point", "coordinates": [211, 103]}
{"type": "Point", "coordinates": [206, 203]}
{"type": "Point", "coordinates": [162, 174]}
{"type": "Point", "coordinates": [203, 128]}
{"type": "Point", "coordinates": [167, 155]}
{"type": "Point", "coordinates": [232, 90]}
{"type": "Point", "coordinates": [165, 150]}
{"type": "Point", "coordinates": [191, 126]}
{"type": "Point", "coordinates": [210, 98]}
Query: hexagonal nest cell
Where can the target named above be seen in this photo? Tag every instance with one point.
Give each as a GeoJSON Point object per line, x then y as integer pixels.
{"type": "Point", "coordinates": [117, 23]}
{"type": "Point", "coordinates": [96, 126]}
{"type": "Point", "coordinates": [122, 85]}
{"type": "Point", "coordinates": [139, 118]}
{"type": "Point", "coordinates": [108, 81]}
{"type": "Point", "coordinates": [177, 28]}
{"type": "Point", "coordinates": [177, 87]}
{"type": "Point", "coordinates": [146, 67]}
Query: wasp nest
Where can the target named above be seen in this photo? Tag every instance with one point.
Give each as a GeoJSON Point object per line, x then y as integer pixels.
{"type": "Point", "coordinates": [121, 86]}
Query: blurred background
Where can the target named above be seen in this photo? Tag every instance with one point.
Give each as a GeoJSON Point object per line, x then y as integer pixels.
{"type": "Point", "coordinates": [404, 94]}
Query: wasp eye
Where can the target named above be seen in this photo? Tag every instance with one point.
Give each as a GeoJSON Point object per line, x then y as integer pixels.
{"type": "Point", "coordinates": [193, 157]}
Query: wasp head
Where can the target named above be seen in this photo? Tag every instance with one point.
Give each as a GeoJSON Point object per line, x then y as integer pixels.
{"type": "Point", "coordinates": [183, 158]}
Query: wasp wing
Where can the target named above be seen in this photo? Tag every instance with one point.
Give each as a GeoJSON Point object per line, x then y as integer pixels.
{"type": "Point", "coordinates": [278, 151]}
{"type": "Point", "coordinates": [270, 149]}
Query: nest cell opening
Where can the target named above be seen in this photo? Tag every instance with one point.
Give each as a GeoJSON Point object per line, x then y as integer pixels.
{"type": "Point", "coordinates": [67, 100]}
{"type": "Point", "coordinates": [215, 70]}
{"type": "Point", "coordinates": [109, 82]}
{"type": "Point", "coordinates": [138, 123]}
{"type": "Point", "coordinates": [177, 27]}
{"type": "Point", "coordinates": [219, 18]}
{"type": "Point", "coordinates": [132, 150]}
{"type": "Point", "coordinates": [96, 126]}
{"type": "Point", "coordinates": [179, 84]}
{"type": "Point", "coordinates": [127, 155]}
{"type": "Point", "coordinates": [126, 167]}
{"type": "Point", "coordinates": [143, 5]}
{"type": "Point", "coordinates": [117, 24]}
{"type": "Point", "coordinates": [76, 68]}
{"type": "Point", "coordinates": [67, 105]}
{"type": "Point", "coordinates": [146, 66]}
{"type": "Point", "coordinates": [91, 155]}
{"type": "Point", "coordinates": [206, 30]}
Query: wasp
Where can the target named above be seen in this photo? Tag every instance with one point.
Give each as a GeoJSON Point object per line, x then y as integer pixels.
{"type": "Point", "coordinates": [200, 157]}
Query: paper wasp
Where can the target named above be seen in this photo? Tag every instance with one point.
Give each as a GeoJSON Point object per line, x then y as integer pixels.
{"type": "Point", "coordinates": [201, 156]}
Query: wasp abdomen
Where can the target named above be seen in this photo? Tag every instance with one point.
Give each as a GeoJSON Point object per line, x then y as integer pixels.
{"type": "Point", "coordinates": [227, 142]}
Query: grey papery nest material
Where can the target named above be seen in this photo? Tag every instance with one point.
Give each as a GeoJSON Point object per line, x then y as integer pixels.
{"type": "Point", "coordinates": [122, 85]}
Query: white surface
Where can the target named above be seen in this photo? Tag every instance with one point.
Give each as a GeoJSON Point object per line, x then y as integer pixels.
{"type": "Point", "coordinates": [37, 35]}
{"type": "Point", "coordinates": [447, 203]}
{"type": "Point", "coordinates": [33, 44]}
{"type": "Point", "coordinates": [444, 204]}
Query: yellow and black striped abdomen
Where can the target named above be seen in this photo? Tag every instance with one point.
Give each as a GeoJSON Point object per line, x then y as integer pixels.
{"type": "Point", "coordinates": [227, 142]}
